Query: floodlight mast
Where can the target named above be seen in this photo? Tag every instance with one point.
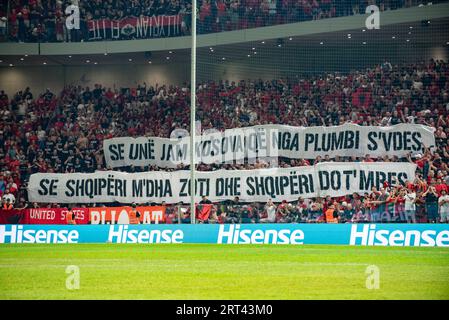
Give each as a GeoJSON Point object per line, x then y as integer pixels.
{"type": "Point", "coordinates": [192, 114]}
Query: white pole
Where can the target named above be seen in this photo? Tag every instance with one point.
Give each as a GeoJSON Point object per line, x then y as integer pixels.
{"type": "Point", "coordinates": [192, 114]}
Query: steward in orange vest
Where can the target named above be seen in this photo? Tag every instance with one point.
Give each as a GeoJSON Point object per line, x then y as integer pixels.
{"type": "Point", "coordinates": [7, 206]}
{"type": "Point", "coordinates": [134, 215]}
{"type": "Point", "coordinates": [329, 214]}
{"type": "Point", "coordinates": [70, 217]}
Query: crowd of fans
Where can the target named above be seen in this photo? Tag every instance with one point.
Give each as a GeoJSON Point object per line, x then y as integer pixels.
{"type": "Point", "coordinates": [390, 204]}
{"type": "Point", "coordinates": [44, 20]}
{"type": "Point", "coordinates": [63, 133]}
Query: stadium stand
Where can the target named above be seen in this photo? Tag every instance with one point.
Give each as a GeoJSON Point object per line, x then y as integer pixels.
{"type": "Point", "coordinates": [63, 133]}
{"type": "Point", "coordinates": [44, 21]}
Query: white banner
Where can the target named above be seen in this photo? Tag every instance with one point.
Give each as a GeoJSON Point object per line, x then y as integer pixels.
{"type": "Point", "coordinates": [269, 141]}
{"type": "Point", "coordinates": [328, 178]}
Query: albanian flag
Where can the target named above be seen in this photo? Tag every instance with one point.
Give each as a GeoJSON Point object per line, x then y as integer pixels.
{"type": "Point", "coordinates": [203, 211]}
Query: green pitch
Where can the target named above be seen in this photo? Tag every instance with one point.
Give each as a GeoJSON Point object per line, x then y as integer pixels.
{"type": "Point", "coordinates": [114, 271]}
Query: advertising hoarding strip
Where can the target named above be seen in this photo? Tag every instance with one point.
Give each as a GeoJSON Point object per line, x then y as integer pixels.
{"type": "Point", "coordinates": [424, 235]}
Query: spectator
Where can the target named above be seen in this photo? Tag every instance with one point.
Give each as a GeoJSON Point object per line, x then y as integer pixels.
{"type": "Point", "coordinates": [246, 214]}
{"type": "Point", "coordinates": [315, 211]}
{"type": "Point", "coordinates": [431, 201]}
{"type": "Point", "coordinates": [347, 213]}
{"type": "Point", "coordinates": [443, 202]}
{"type": "Point", "coordinates": [270, 212]}
{"type": "Point", "coordinates": [3, 28]}
{"type": "Point", "coordinates": [409, 206]}
{"type": "Point", "coordinates": [231, 211]}
{"type": "Point", "coordinates": [8, 200]}
{"type": "Point", "coordinates": [179, 212]}
{"type": "Point", "coordinates": [204, 200]}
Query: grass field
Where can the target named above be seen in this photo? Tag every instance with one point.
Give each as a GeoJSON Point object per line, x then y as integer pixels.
{"type": "Point", "coordinates": [124, 271]}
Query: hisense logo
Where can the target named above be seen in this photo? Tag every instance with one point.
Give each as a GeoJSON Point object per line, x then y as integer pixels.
{"type": "Point", "coordinates": [16, 234]}
{"type": "Point", "coordinates": [369, 236]}
{"type": "Point", "coordinates": [121, 234]}
{"type": "Point", "coordinates": [236, 235]}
